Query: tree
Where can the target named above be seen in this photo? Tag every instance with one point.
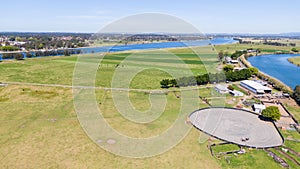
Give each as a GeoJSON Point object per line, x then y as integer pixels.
{"type": "Point", "coordinates": [296, 94]}
{"type": "Point", "coordinates": [294, 50]}
{"type": "Point", "coordinates": [66, 52]}
{"type": "Point", "coordinates": [12, 38]}
{"type": "Point", "coordinates": [272, 113]}
{"type": "Point", "coordinates": [18, 56]}
{"type": "Point", "coordinates": [228, 68]}
{"type": "Point", "coordinates": [173, 82]}
{"type": "Point", "coordinates": [221, 55]}
{"type": "Point", "coordinates": [41, 46]}
{"type": "Point", "coordinates": [253, 70]}
{"type": "Point", "coordinates": [165, 83]}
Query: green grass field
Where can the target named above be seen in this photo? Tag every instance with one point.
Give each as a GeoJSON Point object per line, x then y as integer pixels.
{"type": "Point", "coordinates": [39, 126]}
{"type": "Point", "coordinates": [265, 48]}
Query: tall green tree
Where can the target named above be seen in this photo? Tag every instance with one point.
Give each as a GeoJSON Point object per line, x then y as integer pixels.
{"type": "Point", "coordinates": [221, 55]}
{"type": "Point", "coordinates": [272, 113]}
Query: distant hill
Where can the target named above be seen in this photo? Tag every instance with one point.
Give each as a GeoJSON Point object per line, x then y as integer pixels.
{"type": "Point", "coordinates": [291, 34]}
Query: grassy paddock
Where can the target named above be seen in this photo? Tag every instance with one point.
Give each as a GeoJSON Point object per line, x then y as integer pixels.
{"type": "Point", "coordinates": [39, 126]}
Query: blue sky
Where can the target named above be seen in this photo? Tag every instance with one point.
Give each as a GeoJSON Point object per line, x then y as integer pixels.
{"type": "Point", "coordinates": [209, 16]}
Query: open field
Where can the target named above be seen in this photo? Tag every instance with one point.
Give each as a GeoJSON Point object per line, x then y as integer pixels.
{"type": "Point", "coordinates": [59, 70]}
{"type": "Point", "coordinates": [295, 60]}
{"type": "Point", "coordinates": [39, 127]}
{"type": "Point", "coordinates": [265, 48]}
{"type": "Point", "coordinates": [46, 133]}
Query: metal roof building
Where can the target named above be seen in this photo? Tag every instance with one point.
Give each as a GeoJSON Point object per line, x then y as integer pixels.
{"type": "Point", "coordinates": [255, 87]}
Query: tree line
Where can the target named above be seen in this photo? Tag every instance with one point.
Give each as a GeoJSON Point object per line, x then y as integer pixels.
{"type": "Point", "coordinates": [36, 41]}
{"type": "Point", "coordinates": [21, 55]}
{"type": "Point", "coordinates": [208, 78]}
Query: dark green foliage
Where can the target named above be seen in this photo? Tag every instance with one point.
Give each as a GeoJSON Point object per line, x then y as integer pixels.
{"type": "Point", "coordinates": [238, 75]}
{"type": "Point", "coordinates": [272, 113]}
{"type": "Point", "coordinates": [294, 50]}
{"type": "Point", "coordinates": [18, 56]}
{"type": "Point", "coordinates": [9, 48]}
{"type": "Point", "coordinates": [29, 55]}
{"type": "Point", "coordinates": [221, 55]}
{"type": "Point", "coordinates": [207, 78]}
{"type": "Point", "coordinates": [67, 53]}
{"type": "Point", "coordinates": [253, 70]}
{"type": "Point", "coordinates": [237, 54]}
{"type": "Point", "coordinates": [228, 68]}
{"type": "Point", "coordinates": [296, 94]}
{"type": "Point", "coordinates": [230, 87]}
{"type": "Point", "coordinates": [165, 83]}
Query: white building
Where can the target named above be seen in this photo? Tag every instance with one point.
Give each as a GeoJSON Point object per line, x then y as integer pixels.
{"type": "Point", "coordinates": [255, 87]}
{"type": "Point", "coordinates": [238, 68]}
{"type": "Point", "coordinates": [236, 93]}
{"type": "Point", "coordinates": [234, 61]}
{"type": "Point", "coordinates": [221, 88]}
{"type": "Point", "coordinates": [258, 108]}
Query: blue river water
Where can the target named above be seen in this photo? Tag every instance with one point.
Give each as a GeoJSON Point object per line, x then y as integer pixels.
{"type": "Point", "coordinates": [279, 67]}
{"type": "Point", "coordinates": [160, 45]}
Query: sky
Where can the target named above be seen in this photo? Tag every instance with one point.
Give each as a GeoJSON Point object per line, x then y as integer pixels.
{"type": "Point", "coordinates": [208, 16]}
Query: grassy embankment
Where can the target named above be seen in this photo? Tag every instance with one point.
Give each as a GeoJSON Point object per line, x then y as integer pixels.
{"type": "Point", "coordinates": [295, 60]}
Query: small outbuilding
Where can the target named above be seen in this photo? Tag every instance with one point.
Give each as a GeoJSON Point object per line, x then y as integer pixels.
{"type": "Point", "coordinates": [221, 88]}
{"type": "Point", "coordinates": [236, 93]}
{"type": "Point", "coordinates": [234, 61]}
{"type": "Point", "coordinates": [258, 108]}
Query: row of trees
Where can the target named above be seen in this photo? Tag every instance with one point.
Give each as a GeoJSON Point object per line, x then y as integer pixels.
{"type": "Point", "coordinates": [207, 78]}
{"type": "Point", "coordinates": [278, 43]}
{"type": "Point", "coordinates": [9, 48]}
{"type": "Point", "coordinates": [237, 54]}
{"type": "Point", "coordinates": [19, 55]}
{"type": "Point", "coordinates": [36, 41]}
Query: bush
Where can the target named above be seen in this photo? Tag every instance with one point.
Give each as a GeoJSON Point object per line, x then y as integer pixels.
{"type": "Point", "coordinates": [294, 50]}
{"type": "Point", "coordinates": [230, 87]}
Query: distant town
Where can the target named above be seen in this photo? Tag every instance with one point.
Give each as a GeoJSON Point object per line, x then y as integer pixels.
{"type": "Point", "coordinates": [18, 41]}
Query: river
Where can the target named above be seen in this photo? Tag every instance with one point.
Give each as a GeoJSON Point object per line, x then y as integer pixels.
{"type": "Point", "coordinates": [158, 45]}
{"type": "Point", "coordinates": [278, 66]}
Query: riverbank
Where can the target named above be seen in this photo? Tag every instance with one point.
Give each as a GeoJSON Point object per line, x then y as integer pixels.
{"type": "Point", "coordinates": [118, 48]}
{"type": "Point", "coordinates": [295, 60]}
{"type": "Point", "coordinates": [277, 84]}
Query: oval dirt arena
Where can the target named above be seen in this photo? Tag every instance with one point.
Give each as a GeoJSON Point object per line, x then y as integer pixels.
{"type": "Point", "coordinates": [237, 126]}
